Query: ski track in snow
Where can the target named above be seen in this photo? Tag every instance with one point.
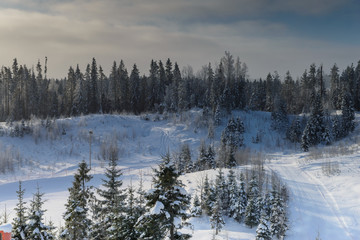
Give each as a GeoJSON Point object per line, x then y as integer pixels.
{"type": "Point", "coordinates": [331, 203]}
{"type": "Point", "coordinates": [313, 209]}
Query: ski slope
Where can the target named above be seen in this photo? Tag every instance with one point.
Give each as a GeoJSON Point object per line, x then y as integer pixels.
{"type": "Point", "coordinates": [320, 204]}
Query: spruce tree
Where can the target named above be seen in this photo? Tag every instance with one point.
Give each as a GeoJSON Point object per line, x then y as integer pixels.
{"type": "Point", "coordinates": [337, 127]}
{"type": "Point", "coordinates": [113, 198]}
{"type": "Point", "coordinates": [93, 101]}
{"type": "Point", "coordinates": [252, 213]}
{"type": "Point", "coordinates": [221, 191]}
{"type": "Point", "coordinates": [185, 164]}
{"type": "Point", "coordinates": [234, 196]}
{"type": "Point", "coordinates": [77, 222]}
{"type": "Point", "coordinates": [294, 131]}
{"type": "Point", "coordinates": [278, 224]}
{"type": "Point", "coordinates": [134, 90]}
{"type": "Point", "coordinates": [35, 227]}
{"type": "Point", "coordinates": [167, 204]}
{"type": "Point", "coordinates": [196, 210]}
{"type": "Point", "coordinates": [279, 115]}
{"type": "Point", "coordinates": [242, 199]}
{"type": "Point", "coordinates": [211, 157]}
{"type": "Point", "coordinates": [19, 222]}
{"type": "Point", "coordinates": [315, 127]}
{"type": "Point", "coordinates": [131, 215]}
{"type": "Point", "coordinates": [348, 114]}
{"type": "Point", "coordinates": [262, 231]}
{"type": "Point", "coordinates": [216, 219]}
{"type": "Point", "coordinates": [201, 163]}
{"type": "Point", "coordinates": [206, 201]}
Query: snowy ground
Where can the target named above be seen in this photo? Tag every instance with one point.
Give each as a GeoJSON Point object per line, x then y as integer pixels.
{"type": "Point", "coordinates": [323, 201]}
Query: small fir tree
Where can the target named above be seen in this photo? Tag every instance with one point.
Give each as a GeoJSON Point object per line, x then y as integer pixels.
{"type": "Point", "coordinates": [196, 210]}
{"type": "Point", "coordinates": [278, 224]}
{"type": "Point", "coordinates": [19, 222]}
{"type": "Point", "coordinates": [262, 231]}
{"type": "Point", "coordinates": [216, 219]}
{"type": "Point", "coordinates": [77, 222]}
{"type": "Point", "coordinates": [167, 203]}
{"type": "Point", "coordinates": [113, 199]}
{"type": "Point", "coordinates": [35, 228]}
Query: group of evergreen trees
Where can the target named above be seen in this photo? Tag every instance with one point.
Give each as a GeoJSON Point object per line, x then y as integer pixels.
{"type": "Point", "coordinates": [29, 221]}
{"type": "Point", "coordinates": [28, 91]}
{"type": "Point", "coordinates": [111, 212]}
{"type": "Point", "coordinates": [248, 201]}
{"type": "Point", "coordinates": [320, 126]}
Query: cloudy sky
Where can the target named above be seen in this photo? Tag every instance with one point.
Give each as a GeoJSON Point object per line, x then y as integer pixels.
{"type": "Point", "coordinates": [266, 34]}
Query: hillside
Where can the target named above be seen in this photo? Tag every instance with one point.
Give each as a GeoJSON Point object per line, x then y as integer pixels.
{"type": "Point", "coordinates": [324, 183]}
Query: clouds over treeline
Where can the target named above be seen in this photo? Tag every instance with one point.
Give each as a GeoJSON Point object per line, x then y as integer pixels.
{"type": "Point", "coordinates": [190, 32]}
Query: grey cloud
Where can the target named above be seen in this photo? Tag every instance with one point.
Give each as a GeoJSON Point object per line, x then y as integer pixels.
{"type": "Point", "coordinates": [137, 31]}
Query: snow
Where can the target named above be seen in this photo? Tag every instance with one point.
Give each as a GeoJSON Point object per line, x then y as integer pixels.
{"type": "Point", "coordinates": [320, 203]}
{"type": "Point", "coordinates": [6, 227]}
{"type": "Point", "coordinates": [157, 208]}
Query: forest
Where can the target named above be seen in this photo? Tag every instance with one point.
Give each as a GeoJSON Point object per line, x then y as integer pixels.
{"type": "Point", "coordinates": [314, 97]}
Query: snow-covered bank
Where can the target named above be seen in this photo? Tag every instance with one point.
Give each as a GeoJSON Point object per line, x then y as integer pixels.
{"type": "Point", "coordinates": [319, 203]}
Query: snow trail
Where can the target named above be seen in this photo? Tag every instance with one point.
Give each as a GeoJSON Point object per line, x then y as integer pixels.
{"type": "Point", "coordinates": [313, 209]}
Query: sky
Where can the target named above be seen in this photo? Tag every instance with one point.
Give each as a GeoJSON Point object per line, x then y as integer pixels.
{"type": "Point", "coordinates": [268, 35]}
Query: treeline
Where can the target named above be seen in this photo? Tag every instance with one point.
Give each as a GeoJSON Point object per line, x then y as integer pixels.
{"type": "Point", "coordinates": [26, 92]}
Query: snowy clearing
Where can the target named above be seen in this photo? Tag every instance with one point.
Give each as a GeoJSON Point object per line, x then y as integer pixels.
{"type": "Point", "coordinates": [321, 202]}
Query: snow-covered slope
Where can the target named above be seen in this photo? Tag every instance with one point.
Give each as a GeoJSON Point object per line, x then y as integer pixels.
{"type": "Point", "coordinates": [322, 201]}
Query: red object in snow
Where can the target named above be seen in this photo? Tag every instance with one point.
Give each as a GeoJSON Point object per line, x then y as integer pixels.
{"type": "Point", "coordinates": [5, 235]}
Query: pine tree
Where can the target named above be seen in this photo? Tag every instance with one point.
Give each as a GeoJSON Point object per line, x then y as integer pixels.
{"type": "Point", "coordinates": [217, 115]}
{"type": "Point", "coordinates": [279, 115]}
{"type": "Point", "coordinates": [93, 101]}
{"type": "Point", "coordinates": [294, 131]}
{"type": "Point", "coordinates": [205, 198]}
{"type": "Point", "coordinates": [97, 231]}
{"type": "Point", "coordinates": [196, 210]}
{"type": "Point", "coordinates": [315, 127]}
{"type": "Point", "coordinates": [185, 163]}
{"type": "Point", "coordinates": [252, 213]}
{"type": "Point", "coordinates": [112, 200]}
{"type": "Point", "coordinates": [183, 95]}
{"type": "Point", "coordinates": [278, 224]}
{"type": "Point", "coordinates": [76, 218]}
{"type": "Point", "coordinates": [221, 191]}
{"type": "Point", "coordinates": [80, 98]}
{"type": "Point", "coordinates": [262, 231]}
{"type": "Point", "coordinates": [19, 222]}
{"type": "Point", "coordinates": [232, 135]}
{"type": "Point", "coordinates": [167, 203]}
{"type": "Point", "coordinates": [134, 90]}
{"type": "Point", "coordinates": [242, 199]}
{"type": "Point", "coordinates": [348, 114]}
{"type": "Point", "coordinates": [140, 200]}
{"type": "Point", "coordinates": [125, 89]}
{"type": "Point", "coordinates": [216, 219]}
{"type": "Point", "coordinates": [210, 156]}
{"type": "Point", "coordinates": [131, 216]}
{"type": "Point", "coordinates": [153, 86]}
{"type": "Point", "coordinates": [35, 227]}
{"type": "Point", "coordinates": [337, 127]}
{"type": "Point", "coordinates": [234, 196]}
{"type": "Point", "coordinates": [70, 92]}
{"type": "Point", "coordinates": [201, 163]}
